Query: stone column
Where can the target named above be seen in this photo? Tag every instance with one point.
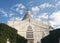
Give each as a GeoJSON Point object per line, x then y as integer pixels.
{"type": "Point", "coordinates": [8, 41]}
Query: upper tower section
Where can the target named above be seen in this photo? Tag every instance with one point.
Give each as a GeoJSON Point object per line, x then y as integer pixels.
{"type": "Point", "coordinates": [27, 16]}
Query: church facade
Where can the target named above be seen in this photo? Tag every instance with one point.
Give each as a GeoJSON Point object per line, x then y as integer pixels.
{"type": "Point", "coordinates": [31, 29]}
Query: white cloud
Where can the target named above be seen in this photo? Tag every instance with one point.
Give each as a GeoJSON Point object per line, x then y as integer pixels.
{"type": "Point", "coordinates": [19, 8]}
{"type": "Point", "coordinates": [18, 18]}
{"type": "Point", "coordinates": [41, 16]}
{"type": "Point", "coordinates": [55, 0]}
{"type": "Point", "coordinates": [12, 18]}
{"type": "Point", "coordinates": [4, 13]}
{"type": "Point", "coordinates": [58, 27]}
{"type": "Point", "coordinates": [15, 18]}
{"type": "Point", "coordinates": [55, 16]}
{"type": "Point", "coordinates": [35, 9]}
{"type": "Point", "coordinates": [20, 5]}
{"type": "Point", "coordinates": [30, 2]}
{"type": "Point", "coordinates": [11, 14]}
{"type": "Point", "coordinates": [58, 3]}
{"type": "Point", "coordinates": [44, 5]}
{"type": "Point", "coordinates": [44, 15]}
{"type": "Point", "coordinates": [21, 11]}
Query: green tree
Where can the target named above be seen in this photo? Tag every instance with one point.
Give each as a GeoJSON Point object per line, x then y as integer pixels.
{"type": "Point", "coordinates": [7, 32]}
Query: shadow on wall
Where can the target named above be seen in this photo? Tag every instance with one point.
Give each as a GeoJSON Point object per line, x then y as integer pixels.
{"type": "Point", "coordinates": [53, 37]}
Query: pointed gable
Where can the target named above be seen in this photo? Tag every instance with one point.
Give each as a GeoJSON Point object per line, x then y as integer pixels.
{"type": "Point", "coordinates": [27, 16]}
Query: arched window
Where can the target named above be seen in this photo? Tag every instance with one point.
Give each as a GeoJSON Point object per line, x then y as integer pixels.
{"type": "Point", "coordinates": [29, 33]}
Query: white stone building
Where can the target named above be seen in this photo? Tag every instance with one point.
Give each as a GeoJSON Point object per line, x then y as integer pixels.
{"type": "Point", "coordinates": [31, 29]}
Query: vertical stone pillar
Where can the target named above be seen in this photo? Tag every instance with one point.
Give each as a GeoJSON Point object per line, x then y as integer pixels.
{"type": "Point", "coordinates": [8, 41]}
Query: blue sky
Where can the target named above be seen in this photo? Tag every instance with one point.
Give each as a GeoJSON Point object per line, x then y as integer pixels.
{"type": "Point", "coordinates": [45, 10]}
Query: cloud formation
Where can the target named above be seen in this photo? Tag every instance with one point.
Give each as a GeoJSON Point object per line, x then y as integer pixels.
{"type": "Point", "coordinates": [35, 9]}
{"type": "Point", "coordinates": [19, 8]}
{"type": "Point", "coordinates": [3, 12]}
{"type": "Point", "coordinates": [58, 3]}
{"type": "Point", "coordinates": [19, 5]}
{"type": "Point", "coordinates": [44, 5]}
{"type": "Point", "coordinates": [55, 16]}
{"type": "Point", "coordinates": [15, 18]}
{"type": "Point", "coordinates": [38, 11]}
{"type": "Point", "coordinates": [43, 16]}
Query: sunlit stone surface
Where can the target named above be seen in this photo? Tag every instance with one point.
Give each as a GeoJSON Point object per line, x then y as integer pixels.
{"type": "Point", "coordinates": [31, 29]}
{"type": "Point", "coordinates": [8, 41]}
